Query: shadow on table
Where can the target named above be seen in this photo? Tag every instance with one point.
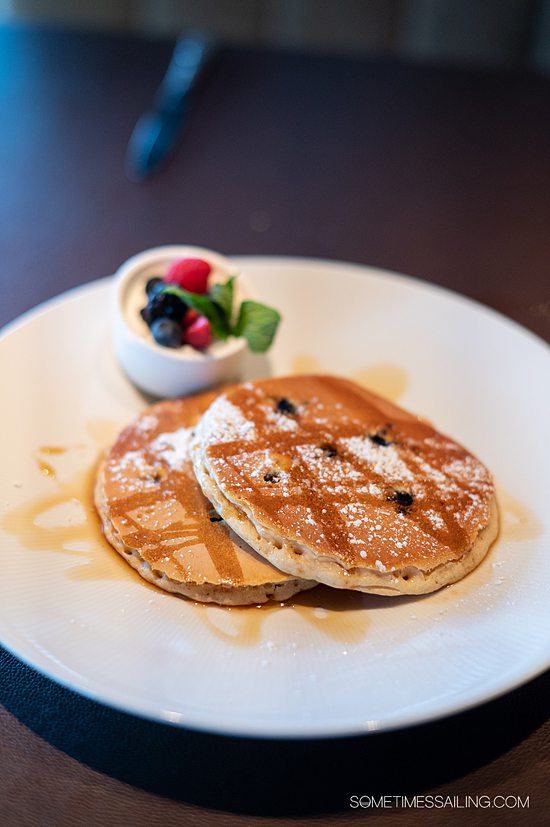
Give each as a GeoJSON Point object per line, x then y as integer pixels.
{"type": "Point", "coordinates": [269, 777]}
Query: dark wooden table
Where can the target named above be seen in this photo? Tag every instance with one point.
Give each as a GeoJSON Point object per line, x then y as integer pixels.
{"type": "Point", "coordinates": [439, 173]}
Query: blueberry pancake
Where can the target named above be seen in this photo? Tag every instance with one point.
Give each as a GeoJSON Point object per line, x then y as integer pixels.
{"type": "Point", "coordinates": [332, 483]}
{"type": "Point", "coordinates": [155, 515]}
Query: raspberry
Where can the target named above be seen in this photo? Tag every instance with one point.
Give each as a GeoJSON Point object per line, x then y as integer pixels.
{"type": "Point", "coordinates": [198, 333]}
{"type": "Point", "coordinates": [190, 317]}
{"type": "Point", "coordinates": [190, 274]}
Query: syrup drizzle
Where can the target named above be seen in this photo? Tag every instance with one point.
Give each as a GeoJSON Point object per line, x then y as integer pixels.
{"type": "Point", "coordinates": [194, 529]}
{"type": "Point", "coordinates": [517, 521]}
{"type": "Point", "coordinates": [342, 616]}
{"type": "Point", "coordinates": [384, 378]}
{"type": "Point", "coordinates": [65, 520]}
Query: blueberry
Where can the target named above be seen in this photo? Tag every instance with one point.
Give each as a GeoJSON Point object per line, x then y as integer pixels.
{"type": "Point", "coordinates": [164, 306]}
{"type": "Point", "coordinates": [329, 449]}
{"type": "Point", "coordinates": [380, 438]}
{"type": "Point", "coordinates": [286, 407]}
{"type": "Point", "coordinates": [154, 286]}
{"type": "Point", "coordinates": [167, 332]}
{"type": "Point", "coordinates": [145, 313]}
{"type": "Point", "coordinates": [402, 498]}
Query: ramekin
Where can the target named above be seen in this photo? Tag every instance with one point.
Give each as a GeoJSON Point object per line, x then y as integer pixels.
{"type": "Point", "coordinates": [163, 371]}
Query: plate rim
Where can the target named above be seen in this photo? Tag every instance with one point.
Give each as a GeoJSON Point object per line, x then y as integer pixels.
{"type": "Point", "coordinates": [263, 731]}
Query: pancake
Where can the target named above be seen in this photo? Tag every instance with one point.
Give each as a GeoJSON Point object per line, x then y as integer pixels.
{"type": "Point", "coordinates": [331, 482]}
{"type": "Point", "coordinates": [155, 515]}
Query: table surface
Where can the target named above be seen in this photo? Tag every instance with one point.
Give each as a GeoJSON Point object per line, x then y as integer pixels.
{"type": "Point", "coordinates": [439, 173]}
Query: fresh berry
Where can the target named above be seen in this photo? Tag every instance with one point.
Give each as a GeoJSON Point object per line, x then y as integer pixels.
{"type": "Point", "coordinates": [154, 286]}
{"type": "Point", "coordinates": [198, 333]}
{"type": "Point", "coordinates": [286, 407]}
{"type": "Point", "coordinates": [189, 274]}
{"type": "Point", "coordinates": [403, 499]}
{"type": "Point", "coordinates": [190, 317]}
{"type": "Point", "coordinates": [145, 314]}
{"type": "Point", "coordinates": [164, 306]}
{"type": "Point", "coordinates": [166, 332]}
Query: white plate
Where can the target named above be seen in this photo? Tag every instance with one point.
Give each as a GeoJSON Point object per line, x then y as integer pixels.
{"type": "Point", "coordinates": [72, 609]}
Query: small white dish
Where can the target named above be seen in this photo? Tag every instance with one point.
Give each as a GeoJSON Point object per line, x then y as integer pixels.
{"type": "Point", "coordinates": [163, 371]}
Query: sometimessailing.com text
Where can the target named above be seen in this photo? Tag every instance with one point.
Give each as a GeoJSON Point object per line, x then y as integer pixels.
{"type": "Point", "coordinates": [439, 802]}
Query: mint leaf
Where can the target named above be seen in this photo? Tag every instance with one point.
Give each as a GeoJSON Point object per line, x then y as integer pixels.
{"type": "Point", "coordinates": [257, 324]}
{"type": "Point", "coordinates": [222, 295]}
{"type": "Point", "coordinates": [219, 323]}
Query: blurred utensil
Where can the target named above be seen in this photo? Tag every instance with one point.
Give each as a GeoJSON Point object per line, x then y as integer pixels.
{"type": "Point", "coordinates": [158, 131]}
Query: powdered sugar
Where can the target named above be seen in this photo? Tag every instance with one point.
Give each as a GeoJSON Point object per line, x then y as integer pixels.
{"type": "Point", "coordinates": [280, 420]}
{"type": "Point", "coordinates": [467, 469]}
{"type": "Point", "coordinates": [173, 447]}
{"type": "Point", "coordinates": [435, 519]}
{"type": "Point", "coordinates": [224, 422]}
{"type": "Point", "coordinates": [132, 459]}
{"type": "Point", "coordinates": [146, 423]}
{"type": "Point", "coordinates": [372, 489]}
{"type": "Point", "coordinates": [325, 468]}
{"type": "Point", "coordinates": [383, 460]}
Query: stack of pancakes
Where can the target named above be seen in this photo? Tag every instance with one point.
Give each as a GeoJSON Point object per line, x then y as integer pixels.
{"type": "Point", "coordinates": [273, 486]}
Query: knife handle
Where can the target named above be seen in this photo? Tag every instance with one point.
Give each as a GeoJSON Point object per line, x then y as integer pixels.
{"type": "Point", "coordinates": [157, 132]}
{"type": "Point", "coordinates": [190, 57]}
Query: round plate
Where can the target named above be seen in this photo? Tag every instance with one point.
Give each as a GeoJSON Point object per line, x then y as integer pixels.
{"type": "Point", "coordinates": [331, 663]}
